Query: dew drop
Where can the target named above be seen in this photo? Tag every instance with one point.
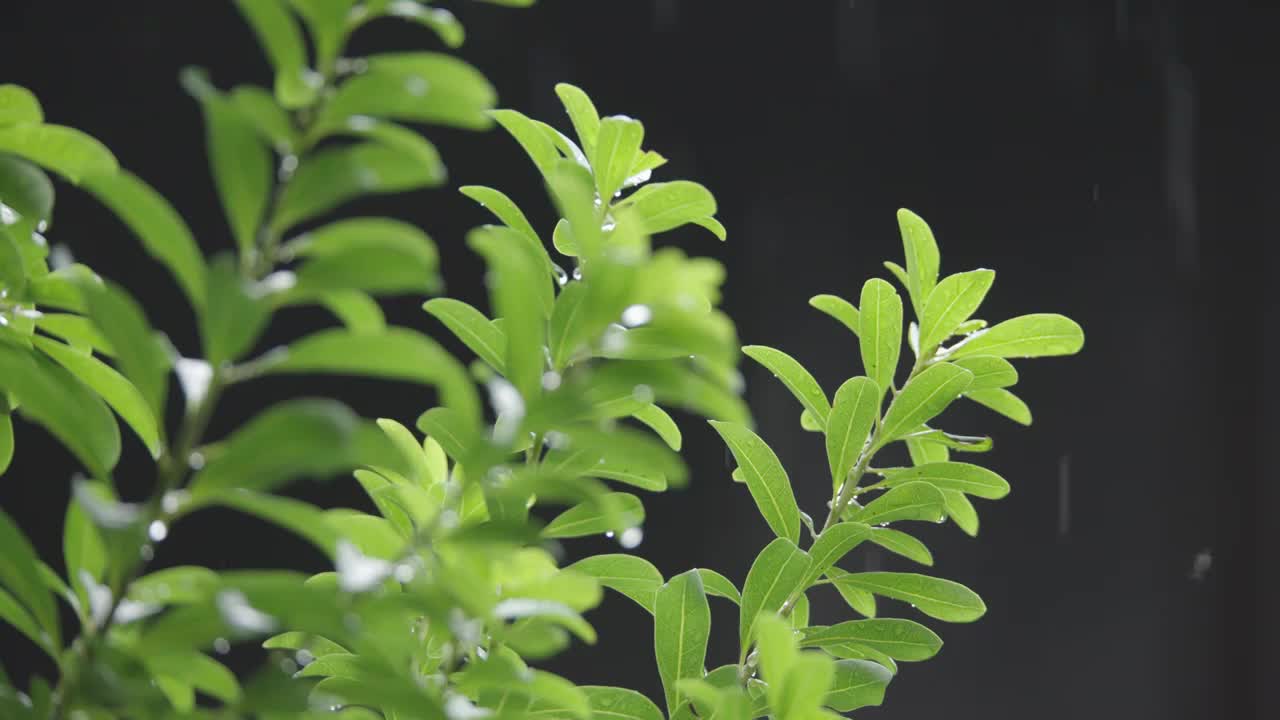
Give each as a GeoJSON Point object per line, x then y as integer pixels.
{"type": "Point", "coordinates": [631, 538]}
{"type": "Point", "coordinates": [147, 553]}
{"type": "Point", "coordinates": [239, 614]}
{"type": "Point", "coordinates": [577, 273]}
{"type": "Point", "coordinates": [562, 276]}
{"type": "Point", "coordinates": [304, 657]}
{"type": "Point", "coordinates": [221, 646]}
{"type": "Point", "coordinates": [358, 572]}
{"type": "Point", "coordinates": [609, 534]}
{"type": "Point", "coordinates": [7, 215]}
{"type": "Point", "coordinates": [416, 86]}
{"type": "Point", "coordinates": [196, 460]}
{"type": "Point", "coordinates": [637, 315]}
{"type": "Point", "coordinates": [194, 376]}
{"type": "Point", "coordinates": [550, 380]}
{"type": "Point", "coordinates": [288, 165]}
{"type": "Point", "coordinates": [157, 530]}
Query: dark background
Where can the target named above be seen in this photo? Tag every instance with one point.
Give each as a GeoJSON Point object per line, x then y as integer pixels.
{"type": "Point", "coordinates": [1114, 161]}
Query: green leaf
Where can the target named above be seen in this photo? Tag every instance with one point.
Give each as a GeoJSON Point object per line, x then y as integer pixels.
{"type": "Point", "coordinates": [25, 189]}
{"type": "Point", "coordinates": [909, 501]}
{"type": "Point", "coordinates": [971, 479]}
{"type": "Point", "coordinates": [923, 398]}
{"type": "Point", "coordinates": [583, 115]}
{"type": "Point", "coordinates": [682, 625]}
{"type": "Point", "coordinates": [140, 355]}
{"type": "Point", "coordinates": [18, 106]}
{"type": "Point", "coordinates": [473, 328]}
{"type": "Point", "coordinates": [838, 308]}
{"type": "Point", "coordinates": [1003, 402]}
{"type": "Point", "coordinates": [234, 317]}
{"type": "Point", "coordinates": [181, 585]}
{"type": "Point", "coordinates": [203, 672]}
{"type": "Point", "coordinates": [118, 392]}
{"type": "Point", "coordinates": [327, 22]}
{"type": "Point", "coordinates": [503, 208]}
{"type": "Point", "coordinates": [377, 255]}
{"type": "Point", "coordinates": [66, 151]}
{"type": "Point", "coordinates": [860, 600]}
{"type": "Point", "coordinates": [617, 146]}
{"type": "Point", "coordinates": [857, 684]}
{"type": "Point", "coordinates": [795, 377]}
{"type": "Point", "coordinates": [272, 122]}
{"type": "Point", "coordinates": [333, 176]}
{"type": "Point", "coordinates": [531, 138]}
{"type": "Point", "coordinates": [1039, 335]}
{"type": "Point", "coordinates": [988, 372]}
{"type": "Point", "coordinates": [951, 303]}
{"type": "Point", "coordinates": [162, 231]}
{"type": "Point", "coordinates": [899, 639]}
{"type": "Point", "coordinates": [281, 38]}
{"type": "Point", "coordinates": [12, 612]}
{"type": "Point", "coordinates": [778, 571]}
{"type": "Point", "coordinates": [852, 416]}
{"type": "Point", "coordinates": [397, 354]}
{"type": "Point", "coordinates": [666, 206]}
{"type": "Point", "coordinates": [900, 543]}
{"type": "Point", "coordinates": [598, 516]}
{"type": "Point", "coordinates": [450, 429]}
{"type": "Point", "coordinates": [629, 575]}
{"type": "Point", "coordinates": [661, 423]}
{"type": "Point", "coordinates": [308, 437]}
{"type": "Point", "coordinates": [921, 251]}
{"type": "Point", "coordinates": [6, 439]}
{"type": "Point", "coordinates": [296, 516]}
{"type": "Point", "coordinates": [13, 276]}
{"type": "Point", "coordinates": [880, 336]}
{"type": "Point", "coordinates": [419, 87]}
{"type": "Point", "coordinates": [778, 654]}
{"type": "Point", "coordinates": [610, 703]}
{"type": "Point", "coordinates": [515, 297]}
{"type": "Point", "coordinates": [941, 599]}
{"type": "Point", "coordinates": [439, 20]}
{"type": "Point", "coordinates": [422, 473]}
{"type": "Point", "coordinates": [831, 545]}
{"type": "Point", "coordinates": [54, 398]}
{"type": "Point", "coordinates": [961, 511]}
{"type": "Point", "coordinates": [716, 584]}
{"type": "Point", "coordinates": [240, 162]}
{"type": "Point", "coordinates": [766, 478]}
{"type": "Point", "coordinates": [19, 573]}
{"type": "Point", "coordinates": [358, 312]}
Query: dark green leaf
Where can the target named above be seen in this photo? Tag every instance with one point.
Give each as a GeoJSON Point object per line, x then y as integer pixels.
{"type": "Point", "coordinates": [235, 315]}
{"type": "Point", "coordinates": [140, 354]}
{"type": "Point", "coordinates": [420, 87]}
{"type": "Point", "coordinates": [831, 545]}
{"type": "Point", "coordinates": [25, 189]}
{"type": "Point", "coordinates": [861, 601]}
{"type": "Point", "coordinates": [281, 38]}
{"type": "Point", "coordinates": [857, 684]}
{"type": "Point", "coordinates": [377, 255]}
{"type": "Point", "coordinates": [765, 477]}
{"type": "Point", "coordinates": [19, 573]}
{"type": "Point", "coordinates": [902, 544]}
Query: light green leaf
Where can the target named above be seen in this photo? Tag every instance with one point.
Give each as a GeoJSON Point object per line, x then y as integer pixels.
{"type": "Point", "coordinates": [235, 314]}
{"type": "Point", "coordinates": [988, 371]}
{"type": "Point", "coordinates": [778, 571]}
{"type": "Point", "coordinates": [900, 543]}
{"type": "Point", "coordinates": [1039, 335]}
{"type": "Point", "coordinates": [240, 162]}
{"type": "Point", "coordinates": [25, 189]}
{"type": "Point", "coordinates": [831, 545]}
{"type": "Point", "coordinates": [616, 512]}
{"type": "Point", "coordinates": [666, 206]}
{"type": "Point", "coordinates": [531, 138]}
{"type": "Point", "coordinates": [12, 612]}
{"type": "Point", "coordinates": [407, 445]}
{"type": "Point", "coordinates": [971, 479]}
{"type": "Point", "coordinates": [204, 673]}
{"type": "Point", "coordinates": [951, 303]}
{"type": "Point", "coordinates": [852, 416]}
{"type": "Point", "coordinates": [1003, 402]}
{"type": "Point", "coordinates": [838, 308]}
{"type": "Point", "coordinates": [259, 108]}
{"type": "Point", "coordinates": [358, 312]}
{"type": "Point", "coordinates": [778, 654]}
{"type": "Point", "coordinates": [6, 439]}
{"type": "Point", "coordinates": [961, 511]}
{"type": "Point", "coordinates": [303, 519]}
{"type": "Point", "coordinates": [54, 398]}
{"type": "Point", "coordinates": [516, 299]}
{"type": "Point", "coordinates": [716, 584]}
{"type": "Point", "coordinates": [880, 332]}
{"type": "Point", "coordinates": [281, 38]}
{"type": "Point", "coordinates": [140, 355]}
{"type": "Point", "coordinates": [66, 151]}
{"type": "Point", "coordinates": [682, 625]}
{"type": "Point", "coordinates": [418, 87]}
{"type": "Point", "coordinates": [610, 703]}
{"type": "Point", "coordinates": [162, 231]}
{"type": "Point", "coordinates": [861, 601]}
{"type": "Point", "coordinates": [857, 684]}
{"type": "Point", "coordinates": [19, 573]}
{"type": "Point", "coordinates": [921, 251]}
{"type": "Point", "coordinates": [766, 478]}
{"type": "Point", "coordinates": [795, 377]}
{"type": "Point", "coordinates": [661, 423]}
{"type": "Point", "coordinates": [941, 599]}
{"type": "Point", "coordinates": [899, 639]}
{"type": "Point", "coordinates": [119, 393]}
{"type": "Point", "coordinates": [503, 208]}
{"type": "Point", "coordinates": [18, 106]}
{"type": "Point", "coordinates": [334, 175]}
{"type": "Point", "coordinates": [910, 501]}
{"type": "Point", "coordinates": [377, 255]}
{"type": "Point", "coordinates": [924, 397]}
{"type": "Point", "coordinates": [181, 585]}
{"type": "Point", "coordinates": [617, 146]}
{"type": "Point", "coordinates": [471, 326]}
{"type": "Point", "coordinates": [439, 20]}
{"type": "Point", "coordinates": [13, 275]}
{"type": "Point", "coordinates": [583, 115]}
{"type": "Point", "coordinates": [629, 575]}
{"type": "Point", "coordinates": [397, 354]}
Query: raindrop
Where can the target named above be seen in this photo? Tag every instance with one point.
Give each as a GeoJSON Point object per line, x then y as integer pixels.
{"type": "Point", "coordinates": [105, 512]}
{"type": "Point", "coordinates": [556, 440]}
{"type": "Point", "coordinates": [577, 273]}
{"type": "Point", "coordinates": [637, 315]}
{"type": "Point", "coordinates": [147, 553]}
{"type": "Point", "coordinates": [277, 282]}
{"type": "Point", "coordinates": [361, 123]}
{"type": "Point", "coordinates": [614, 339]}
{"type": "Point", "coordinates": [608, 225]}
{"type": "Point", "coordinates": [194, 376]}
{"type": "Point", "coordinates": [415, 86]}
{"type": "Point", "coordinates": [195, 460]}
{"type": "Point", "coordinates": [288, 164]}
{"type": "Point", "coordinates": [358, 572]}
{"type": "Point", "coordinates": [174, 499]}
{"type": "Point", "coordinates": [239, 614]}
{"type": "Point", "coordinates": [508, 406]}
{"type": "Point", "coordinates": [631, 538]}
{"type": "Point", "coordinates": [640, 177]}
{"type": "Point", "coordinates": [609, 534]}
{"type": "Point", "coordinates": [60, 257]}
{"type": "Point", "coordinates": [562, 276]}
{"type": "Point", "coordinates": [550, 380]}
{"type": "Point", "coordinates": [642, 393]}
{"type": "Point", "coordinates": [404, 573]}
{"type": "Point", "coordinates": [157, 530]}
{"type": "Point", "coordinates": [288, 666]}
{"type": "Point", "coordinates": [7, 215]}
{"type": "Point", "coordinates": [304, 657]}
{"type": "Point", "coordinates": [42, 226]}
{"type": "Point", "coordinates": [221, 646]}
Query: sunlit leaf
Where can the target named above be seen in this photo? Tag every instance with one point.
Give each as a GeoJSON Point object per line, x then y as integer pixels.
{"type": "Point", "coordinates": [1003, 402]}
{"type": "Point", "coordinates": [921, 251]}
{"type": "Point", "coordinates": [422, 87]}
{"type": "Point", "coordinates": [988, 372]}
{"type": "Point", "coordinates": [971, 479]}
{"type": "Point", "coordinates": [839, 309]}
{"type": "Point", "coordinates": [852, 416]}
{"type": "Point", "coordinates": [665, 206]}
{"type": "Point", "coordinates": [924, 397]}
{"type": "Point", "coordinates": [778, 571]}
{"type": "Point", "coordinates": [1039, 335]}
{"type": "Point", "coordinates": [682, 625]}
{"type": "Point", "coordinates": [909, 501]}
{"type": "Point", "coordinates": [795, 377]}
{"type": "Point", "coordinates": [935, 597]}
{"type": "Point", "coordinates": [471, 326]}
{"type": "Point", "coordinates": [66, 151]}
{"type": "Point", "coordinates": [18, 106]}
{"type": "Point", "coordinates": [765, 477]}
{"type": "Point", "coordinates": [595, 517]}
{"type": "Point", "coordinates": [899, 639]}
{"type": "Point", "coordinates": [629, 575]}
{"type": "Point", "coordinates": [951, 303]}
{"type": "Point", "coordinates": [857, 684]}
{"type": "Point", "coordinates": [617, 145]}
